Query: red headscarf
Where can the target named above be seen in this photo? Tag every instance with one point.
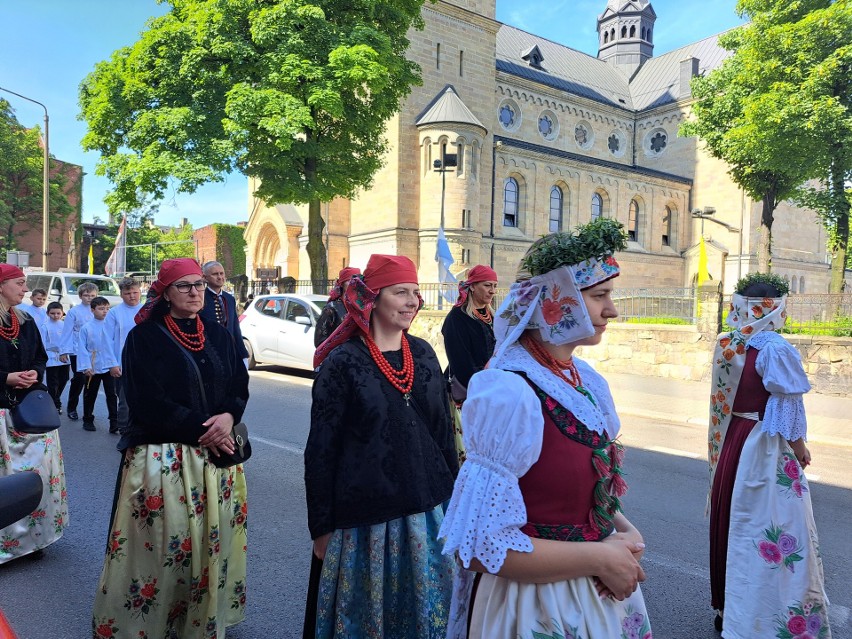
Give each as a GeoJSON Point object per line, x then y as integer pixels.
{"type": "Point", "coordinates": [342, 278]}
{"type": "Point", "coordinates": [10, 272]}
{"type": "Point", "coordinates": [479, 273]}
{"type": "Point", "coordinates": [170, 272]}
{"type": "Point", "coordinates": [360, 297]}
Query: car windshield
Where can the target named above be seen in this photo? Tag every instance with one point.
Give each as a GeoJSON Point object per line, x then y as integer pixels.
{"type": "Point", "coordinates": [105, 285]}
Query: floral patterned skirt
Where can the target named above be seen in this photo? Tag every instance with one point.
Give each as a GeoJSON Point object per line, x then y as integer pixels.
{"type": "Point", "coordinates": [506, 609]}
{"type": "Point", "coordinates": [42, 453]}
{"type": "Point", "coordinates": [774, 585]}
{"type": "Point", "coordinates": [386, 580]}
{"type": "Point", "coordinates": [175, 565]}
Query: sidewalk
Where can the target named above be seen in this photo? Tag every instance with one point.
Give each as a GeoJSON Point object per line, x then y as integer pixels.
{"type": "Point", "coordinates": [673, 400]}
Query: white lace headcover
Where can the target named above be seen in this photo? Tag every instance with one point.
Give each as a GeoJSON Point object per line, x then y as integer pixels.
{"type": "Point", "coordinates": [551, 303]}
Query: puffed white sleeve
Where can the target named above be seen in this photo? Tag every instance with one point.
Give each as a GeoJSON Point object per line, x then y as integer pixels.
{"type": "Point", "coordinates": [503, 429]}
{"type": "Point", "coordinates": [780, 366]}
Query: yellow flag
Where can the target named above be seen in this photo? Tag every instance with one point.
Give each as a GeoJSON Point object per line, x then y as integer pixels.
{"type": "Point", "coordinates": [703, 274]}
{"type": "Point", "coordinates": [91, 261]}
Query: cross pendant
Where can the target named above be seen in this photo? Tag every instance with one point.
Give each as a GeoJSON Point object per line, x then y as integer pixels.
{"type": "Point", "coordinates": [407, 397]}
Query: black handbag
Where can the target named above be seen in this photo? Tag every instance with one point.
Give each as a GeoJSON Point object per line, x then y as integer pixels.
{"type": "Point", "coordinates": [239, 432]}
{"type": "Point", "coordinates": [36, 413]}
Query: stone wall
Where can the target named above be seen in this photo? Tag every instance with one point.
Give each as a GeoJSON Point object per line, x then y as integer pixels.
{"type": "Point", "coordinates": [680, 352]}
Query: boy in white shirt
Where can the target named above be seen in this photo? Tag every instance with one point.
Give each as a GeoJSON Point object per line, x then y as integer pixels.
{"type": "Point", "coordinates": [57, 371]}
{"type": "Point", "coordinates": [36, 309]}
{"type": "Point", "coordinates": [74, 321]}
{"type": "Point", "coordinates": [118, 323]}
{"type": "Point", "coordinates": [94, 360]}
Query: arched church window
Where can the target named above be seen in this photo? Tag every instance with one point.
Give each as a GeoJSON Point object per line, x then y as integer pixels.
{"type": "Point", "coordinates": [510, 202]}
{"type": "Point", "coordinates": [643, 33]}
{"type": "Point", "coordinates": [650, 39]}
{"type": "Point", "coordinates": [802, 284]}
{"type": "Point", "coordinates": [597, 206]}
{"type": "Point", "coordinates": [606, 37]}
{"type": "Point", "coordinates": [612, 34]}
{"type": "Point", "coordinates": [633, 222]}
{"type": "Point", "coordinates": [633, 31]}
{"type": "Point", "coordinates": [624, 31]}
{"type": "Point", "coordinates": [667, 226]}
{"type": "Point", "coordinates": [794, 288]}
{"type": "Point", "coordinates": [555, 224]}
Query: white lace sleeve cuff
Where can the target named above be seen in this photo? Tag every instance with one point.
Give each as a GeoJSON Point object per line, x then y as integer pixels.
{"type": "Point", "coordinates": [485, 515]}
{"type": "Point", "coordinates": [785, 416]}
{"type": "Point", "coordinates": [503, 425]}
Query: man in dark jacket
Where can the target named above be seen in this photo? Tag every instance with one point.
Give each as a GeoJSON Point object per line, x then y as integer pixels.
{"type": "Point", "coordinates": [220, 306]}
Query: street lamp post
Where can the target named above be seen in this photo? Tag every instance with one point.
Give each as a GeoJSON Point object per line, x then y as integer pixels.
{"type": "Point", "coordinates": [45, 219]}
{"type": "Point", "coordinates": [448, 162]}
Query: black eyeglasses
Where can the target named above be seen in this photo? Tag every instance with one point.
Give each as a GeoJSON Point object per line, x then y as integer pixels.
{"type": "Point", "coordinates": [184, 287]}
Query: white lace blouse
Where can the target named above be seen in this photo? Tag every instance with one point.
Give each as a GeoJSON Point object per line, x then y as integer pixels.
{"type": "Point", "coordinates": [503, 431]}
{"type": "Point", "coordinates": [780, 366]}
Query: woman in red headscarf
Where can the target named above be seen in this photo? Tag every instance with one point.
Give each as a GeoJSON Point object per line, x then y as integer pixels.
{"type": "Point", "coordinates": [176, 555]}
{"type": "Point", "coordinates": [22, 362]}
{"type": "Point", "coordinates": [379, 463]}
{"type": "Point", "coordinates": [469, 341]}
{"type": "Point", "coordinates": [334, 311]}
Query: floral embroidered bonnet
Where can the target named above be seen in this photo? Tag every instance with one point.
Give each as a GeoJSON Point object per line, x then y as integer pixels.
{"type": "Point", "coordinates": [551, 300]}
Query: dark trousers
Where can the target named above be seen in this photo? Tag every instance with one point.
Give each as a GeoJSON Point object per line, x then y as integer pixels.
{"type": "Point", "coordinates": [78, 381]}
{"type": "Point", "coordinates": [91, 395]}
{"type": "Point", "coordinates": [57, 378]}
{"type": "Point", "coordinates": [123, 410]}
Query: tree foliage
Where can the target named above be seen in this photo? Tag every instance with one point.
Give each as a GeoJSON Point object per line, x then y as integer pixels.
{"type": "Point", "coordinates": [293, 92]}
{"type": "Point", "coordinates": [777, 111]}
{"type": "Point", "coordinates": [22, 180]}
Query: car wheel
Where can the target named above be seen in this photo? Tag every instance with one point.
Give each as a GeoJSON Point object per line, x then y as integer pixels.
{"type": "Point", "coordinates": [252, 364]}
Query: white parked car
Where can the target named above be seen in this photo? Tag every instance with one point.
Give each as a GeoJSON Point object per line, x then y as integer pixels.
{"type": "Point", "coordinates": [279, 329]}
{"type": "Point", "coordinates": [62, 287]}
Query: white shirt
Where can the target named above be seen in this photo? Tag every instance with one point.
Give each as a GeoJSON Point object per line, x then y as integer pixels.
{"type": "Point", "coordinates": [118, 322]}
{"type": "Point", "coordinates": [38, 313]}
{"type": "Point", "coordinates": [76, 317]}
{"type": "Point", "coordinates": [51, 335]}
{"type": "Point", "coordinates": [93, 348]}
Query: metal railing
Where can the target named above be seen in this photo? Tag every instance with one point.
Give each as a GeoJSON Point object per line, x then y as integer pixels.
{"type": "Point", "coordinates": [661, 303]}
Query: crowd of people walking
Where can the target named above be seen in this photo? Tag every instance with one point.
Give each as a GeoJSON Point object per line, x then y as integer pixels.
{"type": "Point", "coordinates": [482, 501]}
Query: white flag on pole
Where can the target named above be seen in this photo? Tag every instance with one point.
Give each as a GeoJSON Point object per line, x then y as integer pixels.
{"type": "Point", "coordinates": [117, 262]}
{"type": "Point", "coordinates": [444, 258]}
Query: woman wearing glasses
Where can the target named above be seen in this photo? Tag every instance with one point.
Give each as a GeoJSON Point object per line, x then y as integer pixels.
{"type": "Point", "coordinates": [175, 564]}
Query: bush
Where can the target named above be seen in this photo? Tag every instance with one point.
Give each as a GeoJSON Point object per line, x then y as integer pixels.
{"type": "Point", "coordinates": [658, 320]}
{"type": "Point", "coordinates": [840, 327]}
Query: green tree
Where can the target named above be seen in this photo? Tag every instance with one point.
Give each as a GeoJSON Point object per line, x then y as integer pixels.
{"type": "Point", "coordinates": [22, 180]}
{"type": "Point", "coordinates": [293, 92]}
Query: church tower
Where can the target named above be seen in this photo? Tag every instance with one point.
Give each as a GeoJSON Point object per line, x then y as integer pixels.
{"type": "Point", "coordinates": [626, 34]}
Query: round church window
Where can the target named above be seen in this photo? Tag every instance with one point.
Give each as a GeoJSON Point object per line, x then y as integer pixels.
{"type": "Point", "coordinates": [548, 125]}
{"type": "Point", "coordinates": [509, 115]}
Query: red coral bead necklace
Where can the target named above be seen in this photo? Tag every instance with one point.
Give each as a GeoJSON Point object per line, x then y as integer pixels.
{"type": "Point", "coordinates": [556, 366]}
{"type": "Point", "coordinates": [403, 379]}
{"type": "Point", "coordinates": [11, 333]}
{"type": "Point", "coordinates": [190, 341]}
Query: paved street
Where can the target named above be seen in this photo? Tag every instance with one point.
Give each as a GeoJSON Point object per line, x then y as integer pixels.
{"type": "Point", "coordinates": [667, 474]}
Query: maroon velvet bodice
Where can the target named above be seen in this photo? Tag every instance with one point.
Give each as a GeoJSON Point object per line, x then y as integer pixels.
{"type": "Point", "coordinates": [559, 488]}
{"type": "Point", "coordinates": [751, 395]}
{"type": "Point", "coordinates": [571, 492]}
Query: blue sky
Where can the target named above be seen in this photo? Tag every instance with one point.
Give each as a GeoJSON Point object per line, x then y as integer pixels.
{"type": "Point", "coordinates": [79, 33]}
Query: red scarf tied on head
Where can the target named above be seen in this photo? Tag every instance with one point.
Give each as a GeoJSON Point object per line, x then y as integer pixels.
{"type": "Point", "coordinates": [360, 297]}
{"type": "Point", "coordinates": [10, 272]}
{"type": "Point", "coordinates": [343, 278]}
{"type": "Point", "coordinates": [170, 272]}
{"type": "Point", "coordinates": [479, 273]}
